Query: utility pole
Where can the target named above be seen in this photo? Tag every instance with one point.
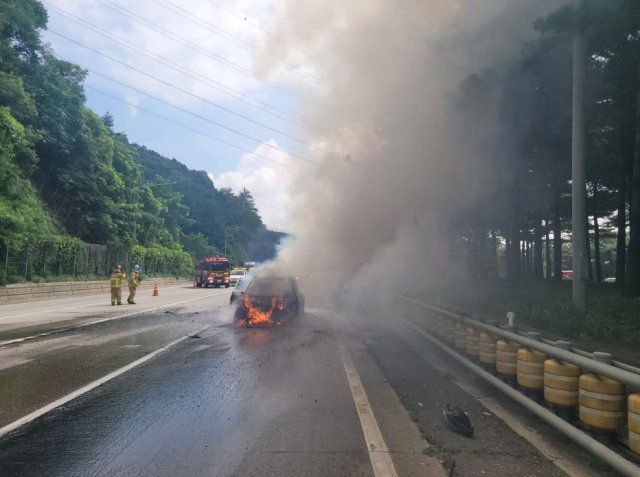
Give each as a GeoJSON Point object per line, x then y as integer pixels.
{"type": "Point", "coordinates": [578, 175]}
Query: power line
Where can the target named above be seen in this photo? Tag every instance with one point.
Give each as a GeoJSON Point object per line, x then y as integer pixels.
{"type": "Point", "coordinates": [189, 93]}
{"type": "Point", "coordinates": [139, 19]}
{"type": "Point", "coordinates": [189, 72]}
{"type": "Point", "coordinates": [222, 141]}
{"type": "Point", "coordinates": [224, 34]}
{"type": "Point", "coordinates": [203, 118]}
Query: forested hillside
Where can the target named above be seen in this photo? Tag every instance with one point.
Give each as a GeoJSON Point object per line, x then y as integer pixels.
{"type": "Point", "coordinates": [69, 177]}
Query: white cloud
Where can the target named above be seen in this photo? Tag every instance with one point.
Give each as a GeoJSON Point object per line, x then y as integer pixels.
{"type": "Point", "coordinates": [272, 186]}
{"type": "Point", "coordinates": [196, 21]}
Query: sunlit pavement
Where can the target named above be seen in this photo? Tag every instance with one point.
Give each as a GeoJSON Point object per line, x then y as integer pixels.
{"type": "Point", "coordinates": [237, 401]}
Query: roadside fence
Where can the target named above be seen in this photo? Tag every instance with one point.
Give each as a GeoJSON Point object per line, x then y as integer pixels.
{"type": "Point", "coordinates": [76, 261]}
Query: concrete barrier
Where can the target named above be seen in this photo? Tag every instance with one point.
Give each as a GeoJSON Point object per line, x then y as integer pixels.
{"type": "Point", "coordinates": [21, 292]}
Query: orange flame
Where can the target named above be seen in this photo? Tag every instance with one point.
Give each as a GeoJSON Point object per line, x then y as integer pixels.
{"type": "Point", "coordinates": [256, 316]}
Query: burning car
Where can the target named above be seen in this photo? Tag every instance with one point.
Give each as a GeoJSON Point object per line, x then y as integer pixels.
{"type": "Point", "coordinates": [238, 291]}
{"type": "Point", "coordinates": [269, 301]}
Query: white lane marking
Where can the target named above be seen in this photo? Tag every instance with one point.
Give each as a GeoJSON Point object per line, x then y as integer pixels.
{"type": "Point", "coordinates": [58, 309]}
{"type": "Point", "coordinates": [85, 389]}
{"type": "Point", "coordinates": [82, 325]}
{"type": "Point", "coordinates": [378, 451]}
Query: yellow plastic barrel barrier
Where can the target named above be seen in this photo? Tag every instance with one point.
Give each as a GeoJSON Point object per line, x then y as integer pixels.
{"type": "Point", "coordinates": [602, 402]}
{"type": "Point", "coordinates": [531, 369]}
{"type": "Point", "coordinates": [487, 349]}
{"type": "Point", "coordinates": [634, 422]}
{"type": "Point", "coordinates": [561, 383]}
{"type": "Point", "coordinates": [460, 336]}
{"type": "Point", "coordinates": [449, 329]}
{"type": "Point", "coordinates": [507, 358]}
{"type": "Point", "coordinates": [471, 342]}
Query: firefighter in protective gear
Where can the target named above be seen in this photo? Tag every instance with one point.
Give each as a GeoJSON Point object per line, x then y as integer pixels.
{"type": "Point", "coordinates": [134, 279]}
{"type": "Point", "coordinates": [117, 275]}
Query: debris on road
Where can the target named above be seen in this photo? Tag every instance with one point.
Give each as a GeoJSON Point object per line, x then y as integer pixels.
{"type": "Point", "coordinates": [459, 420]}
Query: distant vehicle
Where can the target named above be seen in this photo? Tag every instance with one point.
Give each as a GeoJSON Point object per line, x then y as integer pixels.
{"type": "Point", "coordinates": [567, 274]}
{"type": "Point", "coordinates": [236, 274]}
{"type": "Point", "coordinates": [212, 272]}
{"type": "Point", "coordinates": [249, 265]}
{"type": "Point", "coordinates": [240, 287]}
{"type": "Point", "coordinates": [269, 300]}
{"type": "Point", "coordinates": [609, 280]}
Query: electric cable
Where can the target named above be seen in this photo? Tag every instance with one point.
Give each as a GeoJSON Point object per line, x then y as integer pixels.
{"type": "Point", "coordinates": [283, 115]}
{"type": "Point", "coordinates": [139, 19]}
{"type": "Point", "coordinates": [245, 21]}
{"type": "Point", "coordinates": [191, 128]}
{"type": "Point", "coordinates": [188, 93]}
{"type": "Point", "coordinates": [203, 118]}
{"type": "Point", "coordinates": [224, 34]}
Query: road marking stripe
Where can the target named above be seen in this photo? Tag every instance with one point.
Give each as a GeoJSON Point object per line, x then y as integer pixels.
{"type": "Point", "coordinates": [82, 325]}
{"type": "Point", "coordinates": [85, 389]}
{"type": "Point", "coordinates": [378, 452]}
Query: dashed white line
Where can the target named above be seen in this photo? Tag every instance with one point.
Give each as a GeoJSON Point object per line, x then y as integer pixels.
{"type": "Point", "coordinates": [378, 451]}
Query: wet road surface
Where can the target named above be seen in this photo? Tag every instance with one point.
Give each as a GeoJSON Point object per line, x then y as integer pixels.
{"type": "Point", "coordinates": [236, 401]}
{"type": "Point", "coordinates": [233, 402]}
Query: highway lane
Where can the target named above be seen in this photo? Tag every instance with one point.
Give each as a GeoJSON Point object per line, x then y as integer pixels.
{"type": "Point", "coordinates": [234, 401]}
{"type": "Point", "coordinates": [39, 371]}
{"type": "Point", "coordinates": [26, 319]}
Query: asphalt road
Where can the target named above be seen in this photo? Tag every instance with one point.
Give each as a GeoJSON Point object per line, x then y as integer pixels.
{"type": "Point", "coordinates": [327, 394]}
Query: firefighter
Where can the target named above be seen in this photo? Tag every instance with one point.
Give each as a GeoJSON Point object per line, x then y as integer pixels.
{"type": "Point", "coordinates": [134, 279]}
{"type": "Point", "coordinates": [117, 275]}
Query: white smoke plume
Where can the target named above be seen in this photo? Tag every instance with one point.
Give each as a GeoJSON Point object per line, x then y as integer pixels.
{"type": "Point", "coordinates": [400, 163]}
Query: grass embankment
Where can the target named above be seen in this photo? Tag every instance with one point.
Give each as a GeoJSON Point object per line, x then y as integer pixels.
{"type": "Point", "coordinates": [610, 323]}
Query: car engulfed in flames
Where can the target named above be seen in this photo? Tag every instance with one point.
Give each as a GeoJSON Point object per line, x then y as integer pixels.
{"type": "Point", "coordinates": [269, 301]}
{"type": "Point", "coordinates": [257, 314]}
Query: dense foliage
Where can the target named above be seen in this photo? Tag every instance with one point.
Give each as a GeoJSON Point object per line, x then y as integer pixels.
{"type": "Point", "coordinates": [526, 219]}
{"type": "Point", "coordinates": [66, 173]}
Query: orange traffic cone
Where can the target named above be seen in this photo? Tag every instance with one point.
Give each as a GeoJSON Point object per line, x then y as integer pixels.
{"type": "Point", "coordinates": [155, 290]}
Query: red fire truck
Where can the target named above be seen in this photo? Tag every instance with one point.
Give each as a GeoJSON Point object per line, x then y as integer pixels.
{"type": "Point", "coordinates": [212, 272]}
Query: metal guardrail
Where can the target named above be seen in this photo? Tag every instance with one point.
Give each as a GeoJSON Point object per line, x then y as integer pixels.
{"type": "Point", "coordinates": [587, 361]}
{"type": "Point", "coordinates": [616, 461]}
{"type": "Point", "coordinates": [623, 373]}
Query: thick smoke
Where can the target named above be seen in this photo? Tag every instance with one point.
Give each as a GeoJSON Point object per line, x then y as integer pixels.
{"type": "Point", "coordinates": [402, 160]}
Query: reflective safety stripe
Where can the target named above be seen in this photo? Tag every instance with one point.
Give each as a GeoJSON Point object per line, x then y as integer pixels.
{"type": "Point", "coordinates": [602, 396]}
{"type": "Point", "coordinates": [633, 416]}
{"type": "Point", "coordinates": [560, 392]}
{"type": "Point", "coordinates": [557, 377]}
{"type": "Point", "coordinates": [634, 436]}
{"type": "Point", "coordinates": [598, 412]}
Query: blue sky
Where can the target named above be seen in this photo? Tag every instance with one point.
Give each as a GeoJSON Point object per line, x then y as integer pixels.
{"type": "Point", "coordinates": [197, 55]}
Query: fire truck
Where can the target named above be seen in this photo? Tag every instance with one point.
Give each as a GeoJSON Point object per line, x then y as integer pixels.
{"type": "Point", "coordinates": [212, 272]}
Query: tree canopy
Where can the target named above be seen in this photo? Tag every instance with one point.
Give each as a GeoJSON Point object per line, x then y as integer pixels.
{"type": "Point", "coordinates": [68, 173]}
